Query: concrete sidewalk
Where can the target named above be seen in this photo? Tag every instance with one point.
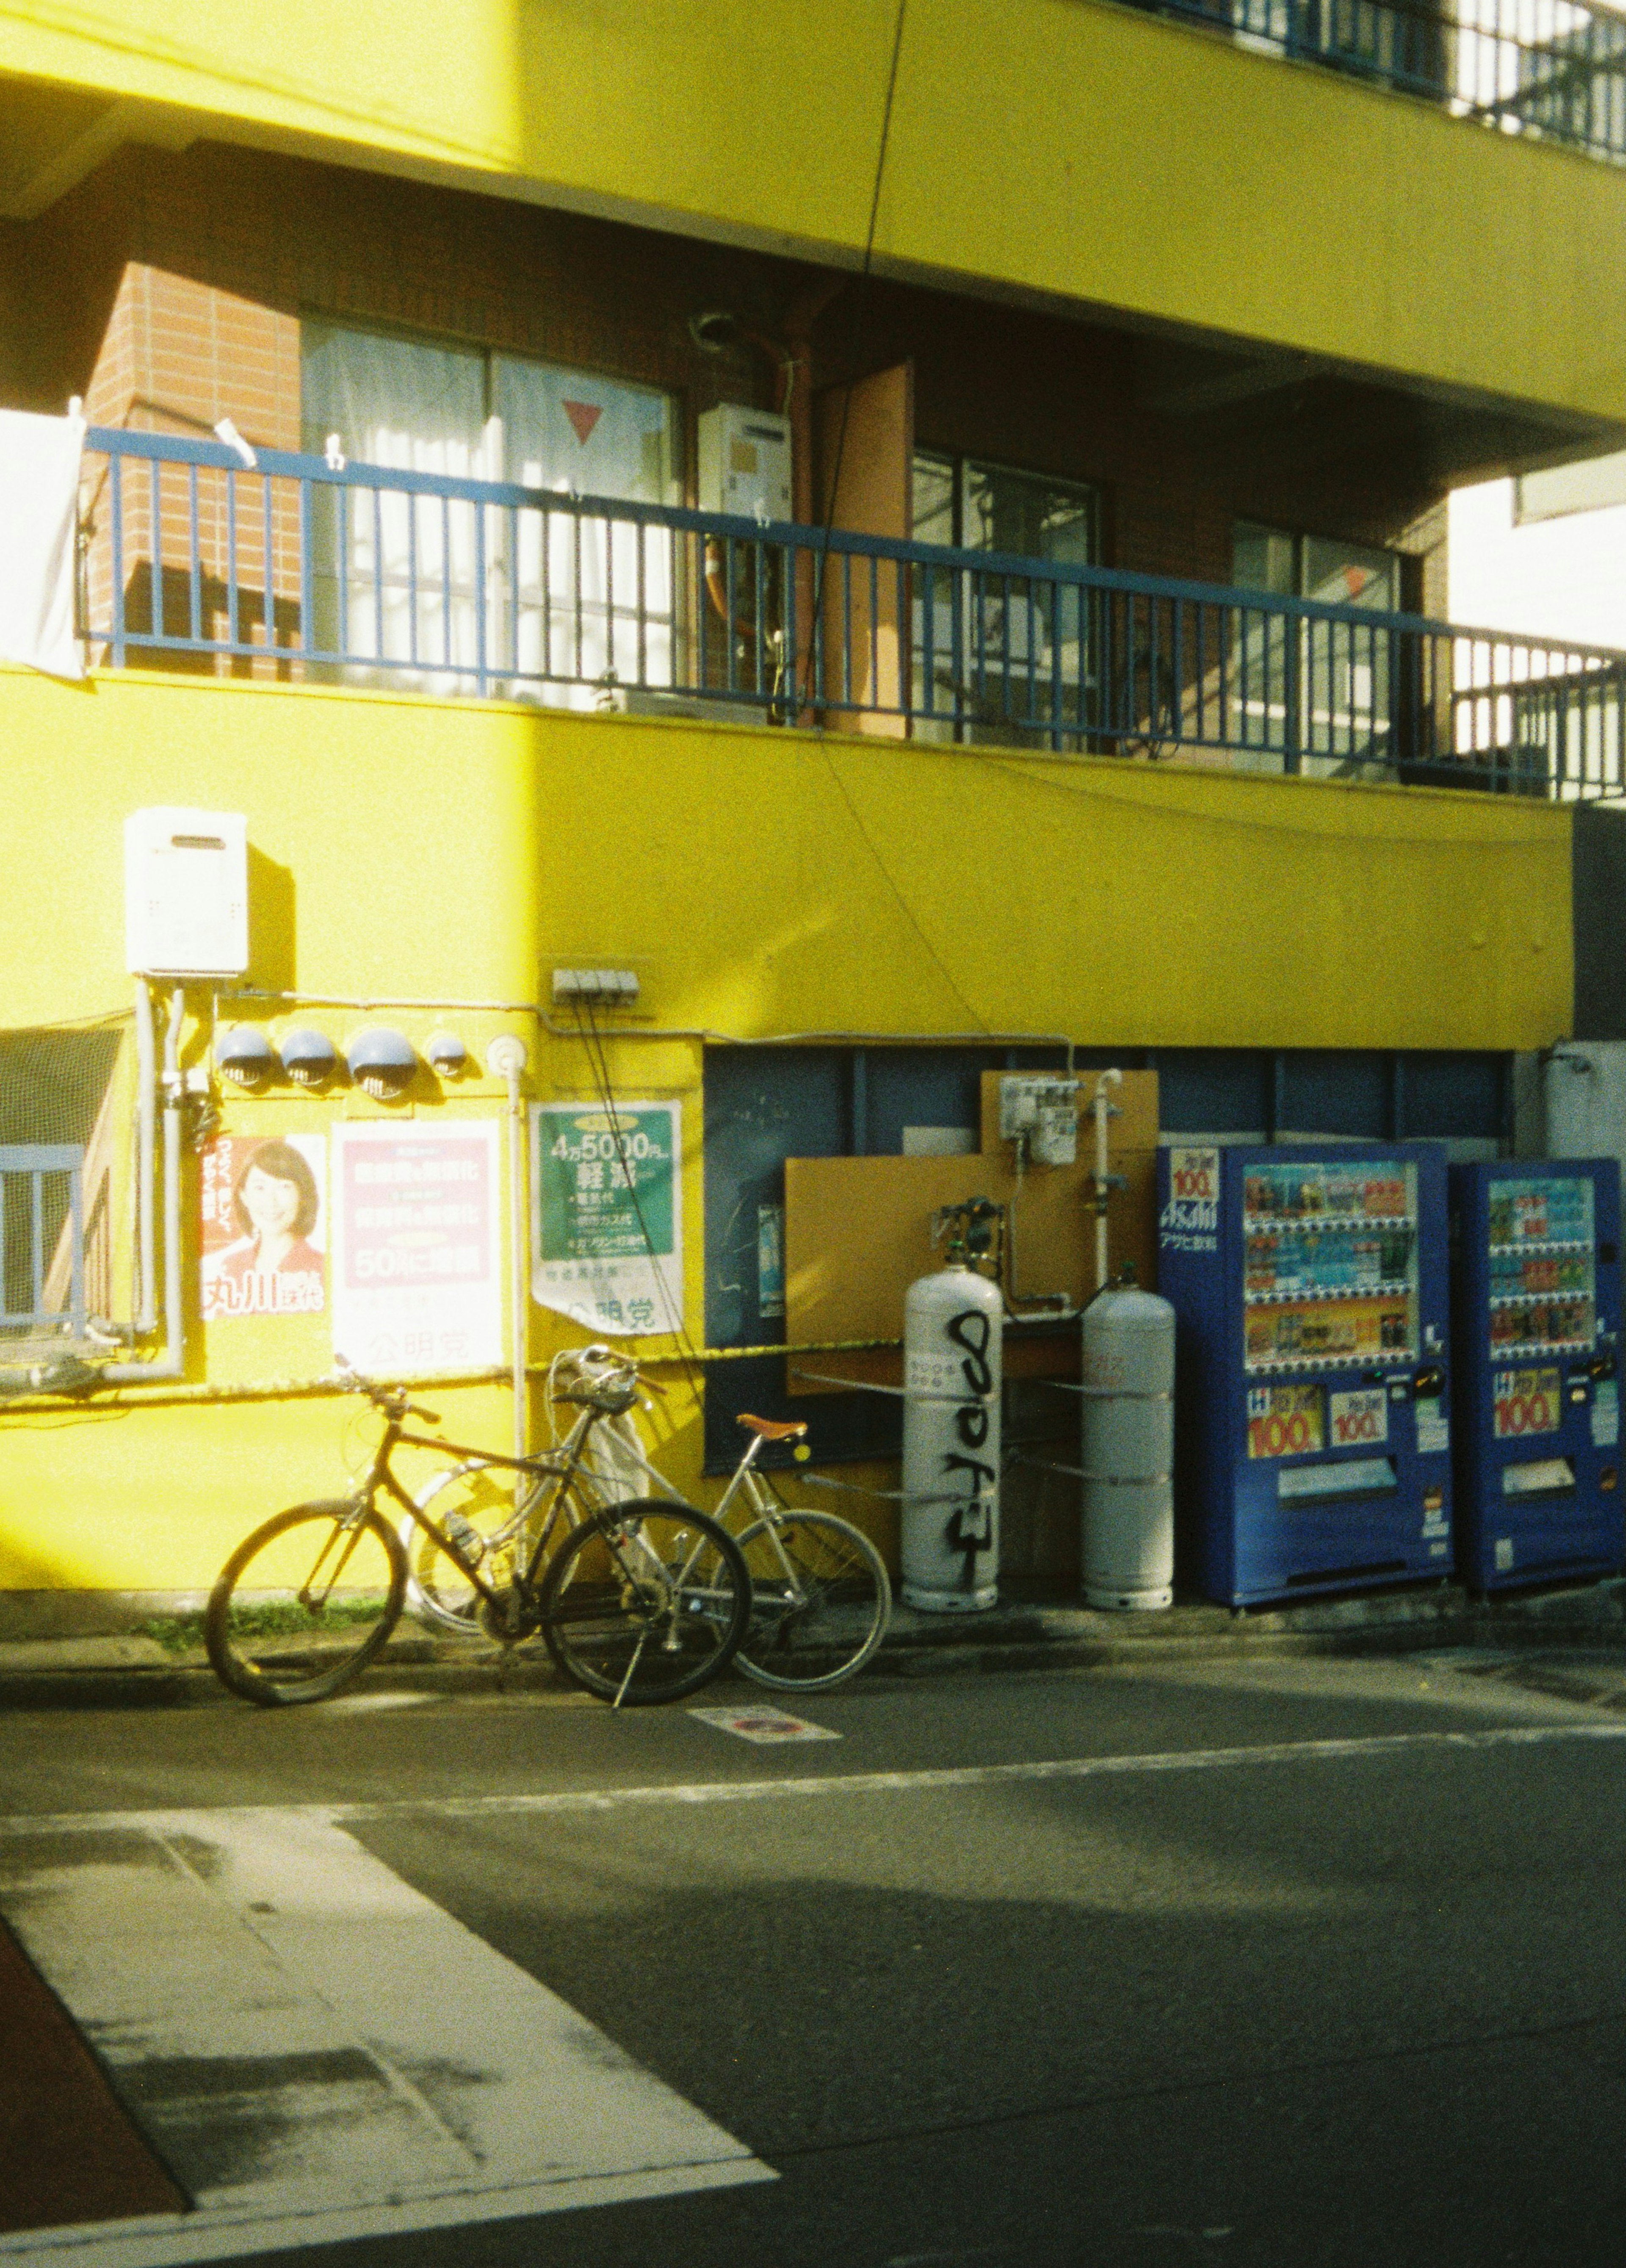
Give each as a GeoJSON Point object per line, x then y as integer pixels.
{"type": "Point", "coordinates": [170, 1671]}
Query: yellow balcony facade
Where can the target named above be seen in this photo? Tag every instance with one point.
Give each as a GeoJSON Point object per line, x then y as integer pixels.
{"type": "Point", "coordinates": [1064, 154]}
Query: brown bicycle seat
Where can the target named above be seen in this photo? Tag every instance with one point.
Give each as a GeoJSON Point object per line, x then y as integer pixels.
{"type": "Point", "coordinates": [770, 1429]}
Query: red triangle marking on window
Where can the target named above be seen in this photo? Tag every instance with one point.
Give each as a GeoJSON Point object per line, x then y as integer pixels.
{"type": "Point", "coordinates": [584, 416]}
{"type": "Point", "coordinates": [1356, 577]}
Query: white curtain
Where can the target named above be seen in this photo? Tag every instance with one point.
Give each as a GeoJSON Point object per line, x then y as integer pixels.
{"type": "Point", "coordinates": [585, 597]}
{"type": "Point", "coordinates": [584, 584]}
{"type": "Point", "coordinates": [396, 575]}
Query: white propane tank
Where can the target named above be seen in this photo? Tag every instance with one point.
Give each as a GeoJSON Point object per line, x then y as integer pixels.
{"type": "Point", "coordinates": [1129, 1449]}
{"type": "Point", "coordinates": [951, 1324]}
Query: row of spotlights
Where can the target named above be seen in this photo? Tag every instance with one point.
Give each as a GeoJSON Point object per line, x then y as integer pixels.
{"type": "Point", "coordinates": [381, 1061]}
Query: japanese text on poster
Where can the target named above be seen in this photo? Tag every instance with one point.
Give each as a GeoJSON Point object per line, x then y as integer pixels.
{"type": "Point", "coordinates": [417, 1282]}
{"type": "Point", "coordinates": [262, 1205]}
{"type": "Point", "coordinates": [607, 1229]}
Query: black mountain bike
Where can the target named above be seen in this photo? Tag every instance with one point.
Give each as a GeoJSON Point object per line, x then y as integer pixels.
{"type": "Point", "coordinates": [639, 1603]}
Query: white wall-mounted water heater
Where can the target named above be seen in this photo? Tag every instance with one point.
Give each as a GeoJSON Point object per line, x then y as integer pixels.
{"type": "Point", "coordinates": [743, 461]}
{"type": "Point", "coordinates": [186, 892]}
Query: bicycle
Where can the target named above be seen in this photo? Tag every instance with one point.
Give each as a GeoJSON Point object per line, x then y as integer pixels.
{"type": "Point", "coordinates": [644, 1600]}
{"type": "Point", "coordinates": [821, 1597]}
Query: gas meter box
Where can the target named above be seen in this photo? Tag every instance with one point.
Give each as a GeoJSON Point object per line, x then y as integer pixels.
{"type": "Point", "coordinates": [1536, 1313]}
{"type": "Point", "coordinates": [1311, 1290]}
{"type": "Point", "coordinates": [186, 892]}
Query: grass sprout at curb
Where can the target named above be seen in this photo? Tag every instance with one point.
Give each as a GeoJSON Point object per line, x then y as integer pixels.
{"type": "Point", "coordinates": [175, 1633]}
{"type": "Point", "coordinates": [179, 1634]}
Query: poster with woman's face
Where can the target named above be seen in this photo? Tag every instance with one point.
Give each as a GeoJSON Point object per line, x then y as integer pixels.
{"type": "Point", "coordinates": [264, 1228]}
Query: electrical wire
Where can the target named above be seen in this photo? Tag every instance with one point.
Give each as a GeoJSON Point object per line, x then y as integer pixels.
{"type": "Point", "coordinates": [599, 1070]}
{"type": "Point", "coordinates": [860, 308]}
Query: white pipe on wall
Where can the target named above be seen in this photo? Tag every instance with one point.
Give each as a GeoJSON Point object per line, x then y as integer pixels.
{"type": "Point", "coordinates": [172, 1363]}
{"type": "Point", "coordinates": [1103, 1110]}
{"type": "Point", "coordinates": [506, 1058]}
{"type": "Point", "coordinates": [146, 1090]}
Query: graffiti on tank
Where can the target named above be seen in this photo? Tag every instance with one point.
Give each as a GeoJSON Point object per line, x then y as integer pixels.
{"type": "Point", "coordinates": [969, 1528]}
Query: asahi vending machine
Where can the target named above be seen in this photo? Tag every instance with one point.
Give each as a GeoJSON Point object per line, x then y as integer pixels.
{"type": "Point", "coordinates": [1535, 1253]}
{"type": "Point", "coordinates": [1311, 1290]}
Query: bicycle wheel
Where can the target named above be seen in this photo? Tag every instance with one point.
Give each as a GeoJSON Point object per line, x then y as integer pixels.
{"type": "Point", "coordinates": [645, 1602]}
{"type": "Point", "coordinates": [820, 1600]}
{"type": "Point", "coordinates": [304, 1604]}
{"type": "Point", "coordinates": [475, 1506]}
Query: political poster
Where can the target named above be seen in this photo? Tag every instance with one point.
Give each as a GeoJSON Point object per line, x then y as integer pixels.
{"type": "Point", "coordinates": [605, 1215]}
{"type": "Point", "coordinates": [418, 1246]}
{"type": "Point", "coordinates": [263, 1205]}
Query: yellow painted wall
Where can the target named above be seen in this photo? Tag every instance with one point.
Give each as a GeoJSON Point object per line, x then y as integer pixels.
{"type": "Point", "coordinates": [761, 883]}
{"type": "Point", "coordinates": [1079, 150]}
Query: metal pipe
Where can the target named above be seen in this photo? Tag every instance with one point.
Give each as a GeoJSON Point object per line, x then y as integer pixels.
{"type": "Point", "coordinates": [1059, 1307]}
{"type": "Point", "coordinates": [506, 1058]}
{"type": "Point", "coordinates": [146, 1086]}
{"type": "Point", "coordinates": [1103, 1110]}
{"type": "Point", "coordinates": [557, 1028]}
{"type": "Point", "coordinates": [172, 1363]}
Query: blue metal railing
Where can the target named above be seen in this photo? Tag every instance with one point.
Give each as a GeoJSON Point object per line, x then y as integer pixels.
{"type": "Point", "coordinates": [42, 1227]}
{"type": "Point", "coordinates": [368, 575]}
{"type": "Point", "coordinates": [1550, 67]}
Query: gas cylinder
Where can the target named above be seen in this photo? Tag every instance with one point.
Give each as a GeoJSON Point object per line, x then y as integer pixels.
{"type": "Point", "coordinates": [952, 1323]}
{"type": "Point", "coordinates": [1129, 1449]}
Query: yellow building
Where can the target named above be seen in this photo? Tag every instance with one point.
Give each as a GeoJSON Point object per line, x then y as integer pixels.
{"type": "Point", "coordinates": [910, 536]}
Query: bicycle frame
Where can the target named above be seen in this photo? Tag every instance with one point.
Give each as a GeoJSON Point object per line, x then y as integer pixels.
{"type": "Point", "coordinates": [560, 1465]}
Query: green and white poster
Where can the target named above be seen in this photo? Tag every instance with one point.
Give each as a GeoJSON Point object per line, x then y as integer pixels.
{"type": "Point", "coordinates": [605, 1215]}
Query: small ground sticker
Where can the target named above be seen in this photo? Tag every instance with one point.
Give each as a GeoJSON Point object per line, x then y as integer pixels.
{"type": "Point", "coordinates": [763, 1725]}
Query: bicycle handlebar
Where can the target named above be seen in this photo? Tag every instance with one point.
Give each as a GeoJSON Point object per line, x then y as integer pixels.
{"type": "Point", "coordinates": [389, 1399]}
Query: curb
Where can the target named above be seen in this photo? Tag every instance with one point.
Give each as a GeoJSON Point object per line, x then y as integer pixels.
{"type": "Point", "coordinates": [126, 1672]}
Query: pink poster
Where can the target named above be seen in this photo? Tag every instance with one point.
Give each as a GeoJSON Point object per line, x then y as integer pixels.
{"type": "Point", "coordinates": [264, 1236]}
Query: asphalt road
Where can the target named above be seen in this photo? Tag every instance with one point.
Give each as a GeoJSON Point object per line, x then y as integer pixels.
{"type": "Point", "coordinates": [1354, 1995]}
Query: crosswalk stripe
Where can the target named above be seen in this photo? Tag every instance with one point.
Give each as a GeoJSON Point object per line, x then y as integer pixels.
{"type": "Point", "coordinates": [318, 2051]}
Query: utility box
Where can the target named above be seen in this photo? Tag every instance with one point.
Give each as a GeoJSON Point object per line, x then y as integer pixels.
{"type": "Point", "coordinates": [745, 462]}
{"type": "Point", "coordinates": [1584, 1091]}
{"type": "Point", "coordinates": [186, 892]}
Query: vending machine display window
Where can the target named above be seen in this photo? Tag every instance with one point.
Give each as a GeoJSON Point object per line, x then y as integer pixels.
{"type": "Point", "coordinates": [1537, 1295]}
{"type": "Point", "coordinates": [1310, 1289]}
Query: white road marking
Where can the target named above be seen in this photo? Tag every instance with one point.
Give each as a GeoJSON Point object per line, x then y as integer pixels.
{"type": "Point", "coordinates": [810, 1786]}
{"type": "Point", "coordinates": [317, 2051]}
{"type": "Point", "coordinates": [762, 1726]}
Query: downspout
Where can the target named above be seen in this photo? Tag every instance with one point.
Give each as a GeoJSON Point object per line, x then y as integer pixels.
{"type": "Point", "coordinates": [1104, 1181]}
{"type": "Point", "coordinates": [172, 1363]}
{"type": "Point", "coordinates": [506, 1058]}
{"type": "Point", "coordinates": [146, 1115]}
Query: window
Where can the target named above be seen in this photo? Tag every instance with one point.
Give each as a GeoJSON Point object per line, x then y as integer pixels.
{"type": "Point", "coordinates": [1003, 656]}
{"type": "Point", "coordinates": [1328, 696]}
{"type": "Point", "coordinates": [448, 595]}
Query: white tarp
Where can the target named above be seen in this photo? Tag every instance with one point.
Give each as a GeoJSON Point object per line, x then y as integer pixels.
{"type": "Point", "coordinates": [38, 509]}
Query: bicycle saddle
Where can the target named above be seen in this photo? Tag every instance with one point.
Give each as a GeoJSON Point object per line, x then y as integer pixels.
{"type": "Point", "coordinates": [770, 1429]}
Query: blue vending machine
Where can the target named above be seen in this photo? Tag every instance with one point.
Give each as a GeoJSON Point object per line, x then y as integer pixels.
{"type": "Point", "coordinates": [1311, 1290]}
{"type": "Point", "coordinates": [1536, 1280]}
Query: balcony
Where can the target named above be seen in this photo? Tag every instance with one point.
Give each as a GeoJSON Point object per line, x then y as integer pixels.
{"type": "Point", "coordinates": [314, 570]}
{"type": "Point", "coordinates": [1538, 67]}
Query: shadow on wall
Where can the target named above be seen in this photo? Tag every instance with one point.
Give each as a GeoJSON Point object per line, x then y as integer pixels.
{"type": "Point", "coordinates": [271, 928]}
